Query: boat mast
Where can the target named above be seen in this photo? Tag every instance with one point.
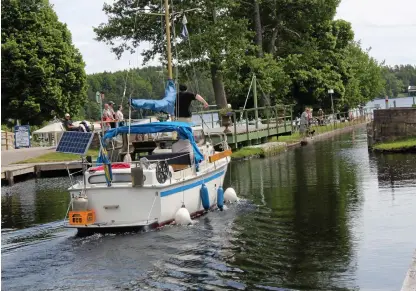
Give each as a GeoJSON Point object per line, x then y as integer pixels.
{"type": "Point", "coordinates": [167, 20]}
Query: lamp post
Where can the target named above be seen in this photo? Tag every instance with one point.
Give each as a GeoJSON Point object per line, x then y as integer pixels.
{"type": "Point", "coordinates": [330, 92]}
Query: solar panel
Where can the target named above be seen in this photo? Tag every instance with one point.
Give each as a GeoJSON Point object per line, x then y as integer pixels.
{"type": "Point", "coordinates": [75, 142]}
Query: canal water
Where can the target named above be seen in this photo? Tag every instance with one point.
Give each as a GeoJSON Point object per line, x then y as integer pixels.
{"type": "Point", "coordinates": [327, 216]}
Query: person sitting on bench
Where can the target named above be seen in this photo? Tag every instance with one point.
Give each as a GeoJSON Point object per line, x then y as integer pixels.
{"type": "Point", "coordinates": [68, 124]}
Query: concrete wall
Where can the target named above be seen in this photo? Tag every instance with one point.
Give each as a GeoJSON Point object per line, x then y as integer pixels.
{"type": "Point", "coordinates": [392, 124]}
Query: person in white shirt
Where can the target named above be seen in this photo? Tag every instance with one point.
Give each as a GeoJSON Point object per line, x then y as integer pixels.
{"type": "Point", "coordinates": [120, 116]}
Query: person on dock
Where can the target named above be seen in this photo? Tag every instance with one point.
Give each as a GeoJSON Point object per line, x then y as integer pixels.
{"type": "Point", "coordinates": [113, 114]}
{"type": "Point", "coordinates": [304, 122]}
{"type": "Point", "coordinates": [107, 116]}
{"type": "Point", "coordinates": [120, 116]}
{"type": "Point", "coordinates": [183, 104]}
{"type": "Point", "coordinates": [320, 117]}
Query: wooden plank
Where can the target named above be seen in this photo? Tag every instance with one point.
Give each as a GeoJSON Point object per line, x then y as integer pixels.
{"type": "Point", "coordinates": [58, 166]}
{"type": "Point", "coordinates": [219, 156]}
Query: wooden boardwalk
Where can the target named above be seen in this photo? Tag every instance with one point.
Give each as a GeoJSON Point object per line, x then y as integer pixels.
{"type": "Point", "coordinates": [9, 172]}
{"type": "Point", "coordinates": [247, 134]}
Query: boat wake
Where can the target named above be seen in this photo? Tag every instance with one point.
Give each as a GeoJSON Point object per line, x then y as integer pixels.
{"type": "Point", "coordinates": [12, 239]}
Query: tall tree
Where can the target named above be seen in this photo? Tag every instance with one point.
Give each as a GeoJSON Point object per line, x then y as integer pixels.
{"type": "Point", "coordinates": [42, 72]}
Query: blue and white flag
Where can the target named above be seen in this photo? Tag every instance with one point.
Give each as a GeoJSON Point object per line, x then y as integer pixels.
{"type": "Point", "coordinates": [184, 32]}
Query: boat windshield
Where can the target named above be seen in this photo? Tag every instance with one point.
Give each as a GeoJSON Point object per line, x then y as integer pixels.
{"type": "Point", "coordinates": [199, 137]}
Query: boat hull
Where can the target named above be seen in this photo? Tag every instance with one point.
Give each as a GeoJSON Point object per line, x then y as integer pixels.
{"type": "Point", "coordinates": [124, 208]}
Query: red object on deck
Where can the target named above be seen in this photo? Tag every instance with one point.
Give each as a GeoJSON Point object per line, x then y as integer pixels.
{"type": "Point", "coordinates": [113, 166]}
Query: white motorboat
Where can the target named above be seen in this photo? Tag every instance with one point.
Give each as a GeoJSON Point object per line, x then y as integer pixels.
{"type": "Point", "coordinates": [149, 190]}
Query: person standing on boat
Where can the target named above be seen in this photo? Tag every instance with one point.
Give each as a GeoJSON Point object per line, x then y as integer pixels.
{"type": "Point", "coordinates": [183, 103]}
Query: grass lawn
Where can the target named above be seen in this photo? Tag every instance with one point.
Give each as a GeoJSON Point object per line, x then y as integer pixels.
{"type": "Point", "coordinates": [295, 137]}
{"type": "Point", "coordinates": [57, 157]}
{"type": "Point", "coordinates": [247, 152]}
{"type": "Point", "coordinates": [289, 139]}
{"type": "Point", "coordinates": [399, 145]}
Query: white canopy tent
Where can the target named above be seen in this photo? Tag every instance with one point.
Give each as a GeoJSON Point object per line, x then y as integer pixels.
{"type": "Point", "coordinates": [53, 132]}
{"type": "Point", "coordinates": [50, 133]}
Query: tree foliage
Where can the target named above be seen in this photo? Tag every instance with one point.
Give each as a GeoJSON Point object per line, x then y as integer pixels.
{"type": "Point", "coordinates": [296, 48]}
{"type": "Point", "coordinates": [42, 72]}
{"type": "Point", "coordinates": [146, 83]}
{"type": "Point", "coordinates": [398, 79]}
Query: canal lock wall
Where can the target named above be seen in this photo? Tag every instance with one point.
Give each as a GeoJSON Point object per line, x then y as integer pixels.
{"type": "Point", "coordinates": [391, 124]}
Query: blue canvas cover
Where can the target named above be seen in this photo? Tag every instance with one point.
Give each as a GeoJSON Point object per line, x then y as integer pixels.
{"type": "Point", "coordinates": [167, 104]}
{"type": "Point", "coordinates": [183, 129]}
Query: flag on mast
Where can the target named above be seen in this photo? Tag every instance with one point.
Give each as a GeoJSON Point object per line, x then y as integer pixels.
{"type": "Point", "coordinates": [184, 32]}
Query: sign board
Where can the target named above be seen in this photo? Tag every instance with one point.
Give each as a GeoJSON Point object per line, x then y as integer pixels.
{"type": "Point", "coordinates": [331, 91]}
{"type": "Point", "coordinates": [22, 136]}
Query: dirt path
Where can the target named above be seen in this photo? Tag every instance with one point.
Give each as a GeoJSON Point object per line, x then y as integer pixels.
{"type": "Point", "coordinates": [13, 156]}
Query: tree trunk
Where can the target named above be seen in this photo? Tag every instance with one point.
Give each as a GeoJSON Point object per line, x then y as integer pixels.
{"type": "Point", "coordinates": [216, 76]}
{"type": "Point", "coordinates": [258, 29]}
{"type": "Point", "coordinates": [258, 39]}
{"type": "Point", "coordinates": [218, 85]}
{"type": "Point", "coordinates": [272, 45]}
{"type": "Point", "coordinates": [271, 48]}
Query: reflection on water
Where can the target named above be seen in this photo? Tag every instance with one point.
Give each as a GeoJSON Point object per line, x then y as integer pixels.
{"type": "Point", "coordinates": [34, 202]}
{"type": "Point", "coordinates": [328, 216]}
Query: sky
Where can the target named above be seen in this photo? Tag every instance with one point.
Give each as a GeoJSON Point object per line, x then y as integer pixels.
{"type": "Point", "coordinates": [387, 26]}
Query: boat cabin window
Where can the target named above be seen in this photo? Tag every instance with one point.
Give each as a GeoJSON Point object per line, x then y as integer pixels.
{"type": "Point", "coordinates": [117, 178]}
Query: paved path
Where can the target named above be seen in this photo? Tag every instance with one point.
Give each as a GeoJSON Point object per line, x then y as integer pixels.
{"type": "Point", "coordinates": [16, 155]}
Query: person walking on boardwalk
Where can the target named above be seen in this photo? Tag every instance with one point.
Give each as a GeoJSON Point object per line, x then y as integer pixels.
{"type": "Point", "coordinates": [183, 103]}
{"type": "Point", "coordinates": [320, 117]}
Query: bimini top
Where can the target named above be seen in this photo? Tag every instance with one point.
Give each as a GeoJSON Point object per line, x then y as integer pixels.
{"type": "Point", "coordinates": [167, 104]}
{"type": "Point", "coordinates": [183, 129]}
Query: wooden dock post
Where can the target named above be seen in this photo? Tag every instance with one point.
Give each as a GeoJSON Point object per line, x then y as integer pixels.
{"type": "Point", "coordinates": [284, 113]}
{"type": "Point", "coordinates": [248, 133]}
{"type": "Point", "coordinates": [235, 140]}
{"type": "Point", "coordinates": [9, 178]}
{"type": "Point", "coordinates": [37, 171]}
{"type": "Point", "coordinates": [291, 118]}
{"type": "Point", "coordinates": [277, 119]}
{"type": "Point", "coordinates": [256, 112]}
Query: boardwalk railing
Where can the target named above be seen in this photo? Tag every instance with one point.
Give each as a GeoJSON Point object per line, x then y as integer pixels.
{"type": "Point", "coordinates": [7, 140]}
{"type": "Point", "coordinates": [245, 128]}
{"type": "Point", "coordinates": [277, 113]}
